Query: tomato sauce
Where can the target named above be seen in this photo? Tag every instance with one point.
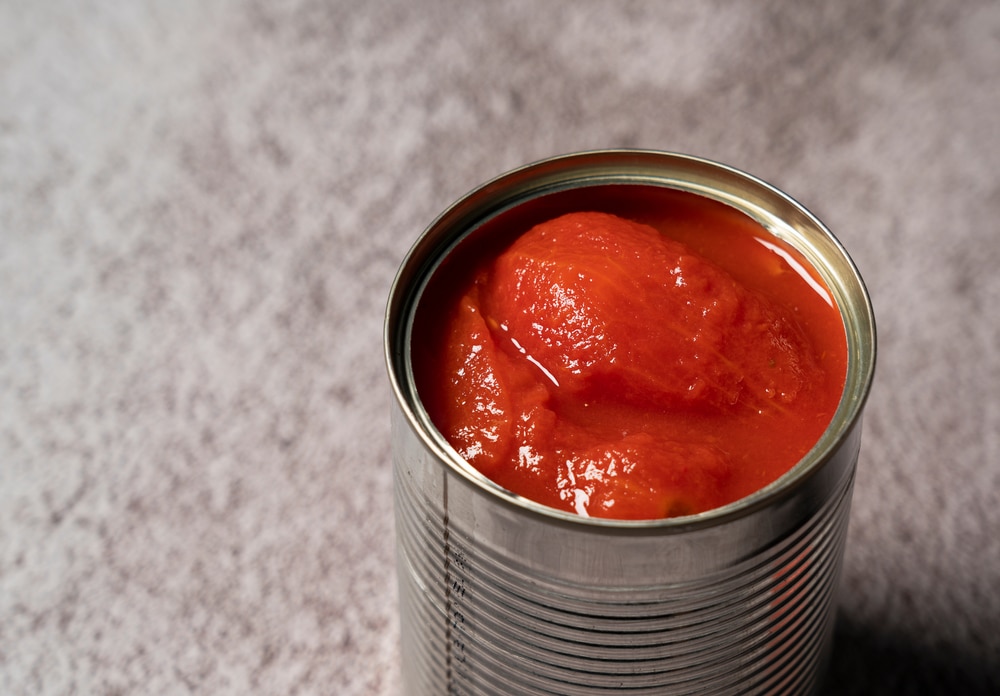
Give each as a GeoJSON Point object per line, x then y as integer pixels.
{"type": "Point", "coordinates": [629, 352]}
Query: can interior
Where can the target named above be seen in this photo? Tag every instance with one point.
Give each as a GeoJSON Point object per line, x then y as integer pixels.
{"type": "Point", "coordinates": [622, 182]}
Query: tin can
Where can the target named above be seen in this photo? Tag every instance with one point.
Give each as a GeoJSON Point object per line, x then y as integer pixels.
{"type": "Point", "coordinates": [500, 595]}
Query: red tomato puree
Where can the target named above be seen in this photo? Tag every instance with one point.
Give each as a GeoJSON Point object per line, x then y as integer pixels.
{"type": "Point", "coordinates": [622, 369]}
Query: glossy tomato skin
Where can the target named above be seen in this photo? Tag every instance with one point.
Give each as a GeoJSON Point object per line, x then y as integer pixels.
{"type": "Point", "coordinates": [599, 366]}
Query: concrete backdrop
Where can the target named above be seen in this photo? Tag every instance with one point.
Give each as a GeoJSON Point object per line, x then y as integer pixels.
{"type": "Point", "coordinates": [202, 206]}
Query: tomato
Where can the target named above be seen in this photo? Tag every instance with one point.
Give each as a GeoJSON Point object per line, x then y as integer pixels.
{"type": "Point", "coordinates": [601, 366]}
{"type": "Point", "coordinates": [612, 309]}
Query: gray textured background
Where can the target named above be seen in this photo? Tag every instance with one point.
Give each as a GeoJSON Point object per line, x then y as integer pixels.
{"type": "Point", "coordinates": [202, 205]}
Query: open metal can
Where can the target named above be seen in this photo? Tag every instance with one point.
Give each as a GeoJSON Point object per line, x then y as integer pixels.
{"type": "Point", "coordinates": [501, 595]}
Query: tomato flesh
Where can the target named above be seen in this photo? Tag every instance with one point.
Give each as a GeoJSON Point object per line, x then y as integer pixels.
{"type": "Point", "coordinates": [600, 366]}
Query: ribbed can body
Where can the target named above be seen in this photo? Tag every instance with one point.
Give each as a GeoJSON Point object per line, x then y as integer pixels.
{"type": "Point", "coordinates": [502, 596]}
{"type": "Point", "coordinates": [492, 606]}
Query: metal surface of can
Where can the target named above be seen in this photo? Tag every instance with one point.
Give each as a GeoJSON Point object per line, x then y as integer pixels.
{"type": "Point", "coordinates": [500, 595]}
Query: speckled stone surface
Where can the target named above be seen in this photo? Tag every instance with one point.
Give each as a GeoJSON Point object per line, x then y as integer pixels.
{"type": "Point", "coordinates": [202, 206]}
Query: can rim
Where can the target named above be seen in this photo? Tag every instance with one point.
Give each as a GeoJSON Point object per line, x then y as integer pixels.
{"type": "Point", "coordinates": [639, 166]}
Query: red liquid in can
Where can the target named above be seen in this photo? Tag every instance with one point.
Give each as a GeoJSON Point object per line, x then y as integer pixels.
{"type": "Point", "coordinates": [629, 352]}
